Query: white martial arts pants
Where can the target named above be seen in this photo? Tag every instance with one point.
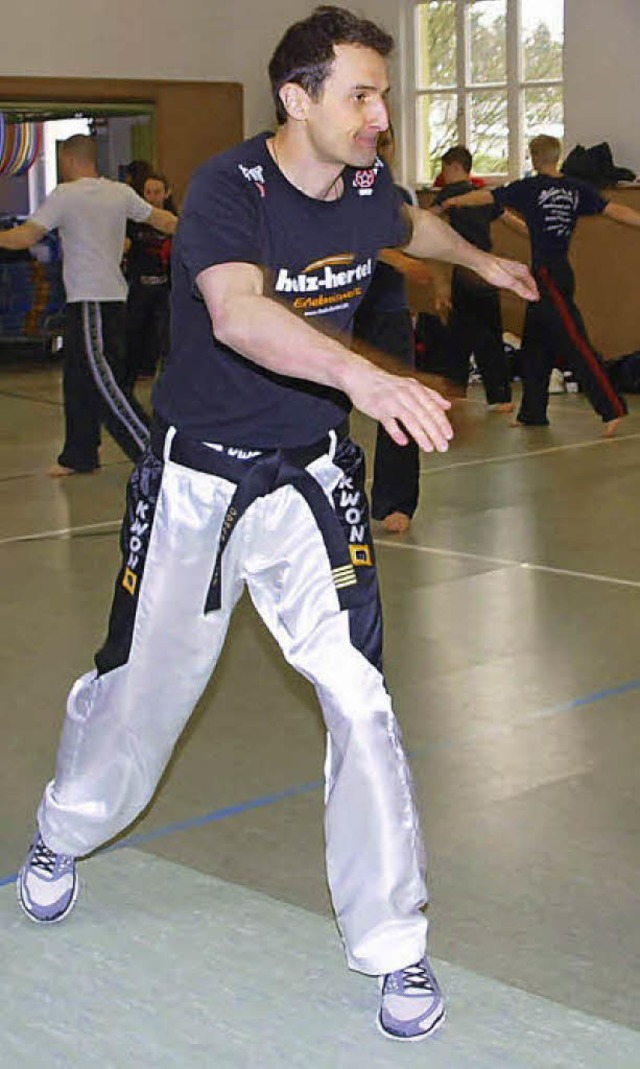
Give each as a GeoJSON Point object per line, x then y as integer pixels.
{"type": "Point", "coordinates": [123, 721]}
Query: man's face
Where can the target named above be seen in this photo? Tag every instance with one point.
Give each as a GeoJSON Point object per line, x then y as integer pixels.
{"type": "Point", "coordinates": [155, 192]}
{"type": "Point", "coordinates": [343, 126]}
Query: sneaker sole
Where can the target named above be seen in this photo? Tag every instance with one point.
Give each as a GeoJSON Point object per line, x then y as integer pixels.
{"type": "Point", "coordinates": [46, 920]}
{"type": "Point", "coordinates": [435, 1025]}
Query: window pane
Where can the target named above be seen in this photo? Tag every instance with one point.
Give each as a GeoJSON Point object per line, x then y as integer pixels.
{"type": "Point", "coordinates": [437, 131]}
{"type": "Point", "coordinates": [487, 21]}
{"type": "Point", "coordinates": [543, 113]}
{"type": "Point", "coordinates": [436, 37]}
{"type": "Point", "coordinates": [542, 38]}
{"type": "Point", "coordinates": [489, 140]}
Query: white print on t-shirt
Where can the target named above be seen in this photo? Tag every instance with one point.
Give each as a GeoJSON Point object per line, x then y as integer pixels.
{"type": "Point", "coordinates": [308, 312]}
{"type": "Point", "coordinates": [255, 174]}
{"type": "Point", "coordinates": [325, 278]}
{"type": "Point", "coordinates": [364, 179]}
{"type": "Point", "coordinates": [334, 289]}
{"type": "Point", "coordinates": [559, 210]}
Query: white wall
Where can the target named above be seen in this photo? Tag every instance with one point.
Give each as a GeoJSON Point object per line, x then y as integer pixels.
{"type": "Point", "coordinates": [602, 76]}
{"type": "Point", "coordinates": [231, 40]}
{"type": "Point", "coordinates": [219, 40]}
{"type": "Point", "coordinates": [211, 40]}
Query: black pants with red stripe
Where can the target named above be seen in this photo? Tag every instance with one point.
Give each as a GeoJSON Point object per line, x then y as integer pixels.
{"type": "Point", "coordinates": [94, 388]}
{"type": "Point", "coordinates": [553, 330]}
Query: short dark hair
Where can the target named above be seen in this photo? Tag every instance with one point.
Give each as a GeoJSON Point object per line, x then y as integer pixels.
{"type": "Point", "coordinates": [459, 154]}
{"type": "Point", "coordinates": [305, 55]}
{"type": "Point", "coordinates": [136, 173]}
{"type": "Point", "coordinates": [81, 147]}
{"type": "Point", "coordinates": [157, 176]}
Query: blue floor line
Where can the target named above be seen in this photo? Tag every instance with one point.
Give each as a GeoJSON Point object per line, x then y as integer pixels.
{"type": "Point", "coordinates": [215, 815]}
{"type": "Point", "coordinates": [306, 788]}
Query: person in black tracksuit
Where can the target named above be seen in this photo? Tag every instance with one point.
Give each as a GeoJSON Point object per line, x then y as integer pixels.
{"type": "Point", "coordinates": [384, 321]}
{"type": "Point", "coordinates": [551, 205]}
{"type": "Point", "coordinates": [475, 319]}
{"type": "Point", "coordinates": [148, 254]}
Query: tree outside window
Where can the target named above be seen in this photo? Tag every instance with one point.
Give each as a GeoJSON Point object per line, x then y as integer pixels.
{"type": "Point", "coordinates": [488, 75]}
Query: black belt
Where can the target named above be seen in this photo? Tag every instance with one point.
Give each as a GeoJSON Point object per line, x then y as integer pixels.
{"type": "Point", "coordinates": [257, 476]}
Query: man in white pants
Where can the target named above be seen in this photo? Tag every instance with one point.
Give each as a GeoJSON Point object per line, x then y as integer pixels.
{"type": "Point", "coordinates": [90, 214]}
{"type": "Point", "coordinates": [252, 479]}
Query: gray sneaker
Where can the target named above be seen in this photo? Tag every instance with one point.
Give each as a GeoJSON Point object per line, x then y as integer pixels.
{"type": "Point", "coordinates": [47, 884]}
{"type": "Point", "coordinates": [411, 1006]}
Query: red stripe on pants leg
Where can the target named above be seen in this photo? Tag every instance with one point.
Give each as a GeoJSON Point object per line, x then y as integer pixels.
{"type": "Point", "coordinates": [581, 343]}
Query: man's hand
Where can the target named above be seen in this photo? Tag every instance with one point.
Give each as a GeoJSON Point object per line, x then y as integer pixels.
{"type": "Point", "coordinates": [165, 222]}
{"type": "Point", "coordinates": [401, 405]}
{"type": "Point", "coordinates": [434, 240]}
{"type": "Point", "coordinates": [441, 291]}
{"type": "Point", "coordinates": [272, 337]}
{"type": "Point", "coordinates": [508, 275]}
{"type": "Point", "coordinates": [442, 304]}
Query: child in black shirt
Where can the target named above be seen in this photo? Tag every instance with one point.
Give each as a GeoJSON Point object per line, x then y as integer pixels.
{"type": "Point", "coordinates": [475, 320]}
{"type": "Point", "coordinates": [551, 205]}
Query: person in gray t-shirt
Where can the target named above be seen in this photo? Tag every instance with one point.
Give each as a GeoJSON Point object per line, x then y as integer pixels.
{"type": "Point", "coordinates": [90, 214]}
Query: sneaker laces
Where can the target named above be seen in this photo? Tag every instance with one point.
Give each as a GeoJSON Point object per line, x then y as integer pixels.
{"type": "Point", "coordinates": [417, 978]}
{"type": "Point", "coordinates": [45, 859]}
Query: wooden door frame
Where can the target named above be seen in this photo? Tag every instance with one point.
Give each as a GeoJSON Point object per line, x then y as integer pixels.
{"type": "Point", "coordinates": [193, 120]}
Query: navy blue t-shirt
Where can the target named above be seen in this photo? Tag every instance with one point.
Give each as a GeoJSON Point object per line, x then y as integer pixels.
{"type": "Point", "coordinates": [551, 207]}
{"type": "Point", "coordinates": [473, 224]}
{"type": "Point", "coordinates": [149, 254]}
{"type": "Point", "coordinates": [388, 289]}
{"type": "Point", "coordinates": [318, 258]}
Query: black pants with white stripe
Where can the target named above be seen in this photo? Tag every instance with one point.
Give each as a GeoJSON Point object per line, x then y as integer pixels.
{"type": "Point", "coordinates": [93, 378]}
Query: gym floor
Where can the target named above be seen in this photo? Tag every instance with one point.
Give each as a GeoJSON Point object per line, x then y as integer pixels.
{"type": "Point", "coordinates": [205, 936]}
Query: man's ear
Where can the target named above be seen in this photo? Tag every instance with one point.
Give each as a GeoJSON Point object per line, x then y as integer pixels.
{"type": "Point", "coordinates": [295, 101]}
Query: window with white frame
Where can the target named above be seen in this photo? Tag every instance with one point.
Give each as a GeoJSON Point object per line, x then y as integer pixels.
{"type": "Point", "coordinates": [488, 74]}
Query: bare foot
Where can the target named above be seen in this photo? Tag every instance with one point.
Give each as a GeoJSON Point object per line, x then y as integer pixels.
{"type": "Point", "coordinates": [396, 523]}
{"type": "Point", "coordinates": [501, 406]}
{"type": "Point", "coordinates": [59, 471]}
{"type": "Point", "coordinates": [521, 423]}
{"type": "Point", "coordinates": [611, 427]}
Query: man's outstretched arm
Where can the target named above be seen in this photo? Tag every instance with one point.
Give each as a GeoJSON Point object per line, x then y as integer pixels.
{"type": "Point", "coordinates": [476, 199]}
{"type": "Point", "coordinates": [434, 239]}
{"type": "Point", "coordinates": [273, 337]}
{"type": "Point", "coordinates": [622, 213]}
{"type": "Point", "coordinates": [21, 237]}
{"type": "Point", "coordinates": [162, 220]}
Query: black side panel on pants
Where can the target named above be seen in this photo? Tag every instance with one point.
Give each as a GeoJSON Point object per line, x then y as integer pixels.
{"type": "Point", "coordinates": [142, 497]}
{"type": "Point", "coordinates": [350, 503]}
